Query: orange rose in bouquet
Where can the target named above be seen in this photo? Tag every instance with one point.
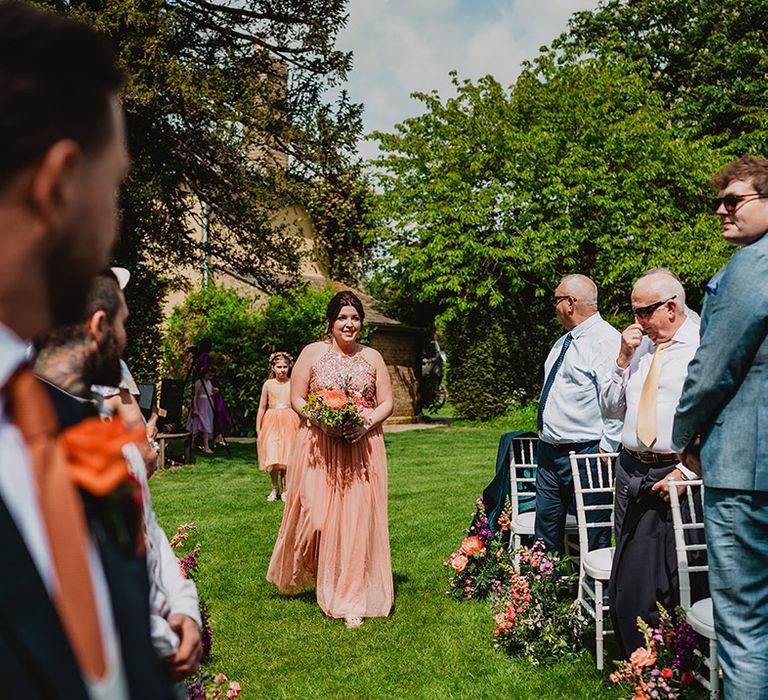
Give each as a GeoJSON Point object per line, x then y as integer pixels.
{"type": "Point", "coordinates": [471, 545]}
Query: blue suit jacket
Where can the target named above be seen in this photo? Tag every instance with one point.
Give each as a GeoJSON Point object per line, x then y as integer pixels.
{"type": "Point", "coordinates": [725, 398]}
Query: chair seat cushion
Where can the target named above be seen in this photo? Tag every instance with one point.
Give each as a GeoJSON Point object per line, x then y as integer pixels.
{"type": "Point", "coordinates": [598, 562]}
{"type": "Point", "coordinates": [700, 617]}
{"type": "Point", "coordinates": [524, 523]}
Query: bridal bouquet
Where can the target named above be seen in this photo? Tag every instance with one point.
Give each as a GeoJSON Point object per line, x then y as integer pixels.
{"type": "Point", "coordinates": [338, 407]}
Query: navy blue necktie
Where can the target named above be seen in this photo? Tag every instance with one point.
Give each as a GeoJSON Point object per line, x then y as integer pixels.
{"type": "Point", "coordinates": [551, 380]}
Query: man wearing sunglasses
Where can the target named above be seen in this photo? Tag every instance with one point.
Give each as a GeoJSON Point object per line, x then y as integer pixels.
{"type": "Point", "coordinates": [569, 415]}
{"type": "Point", "coordinates": [721, 428]}
{"type": "Point", "coordinates": [643, 389]}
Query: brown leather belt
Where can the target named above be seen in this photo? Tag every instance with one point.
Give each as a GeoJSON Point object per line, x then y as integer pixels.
{"type": "Point", "coordinates": [653, 457]}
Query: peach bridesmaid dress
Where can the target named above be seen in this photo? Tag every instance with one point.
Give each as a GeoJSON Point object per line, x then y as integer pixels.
{"type": "Point", "coordinates": [277, 435]}
{"type": "Point", "coordinates": [335, 535]}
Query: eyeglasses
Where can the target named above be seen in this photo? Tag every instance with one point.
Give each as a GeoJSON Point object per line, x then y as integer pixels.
{"type": "Point", "coordinates": [647, 311]}
{"type": "Point", "coordinates": [556, 300]}
{"type": "Point", "coordinates": [731, 202]}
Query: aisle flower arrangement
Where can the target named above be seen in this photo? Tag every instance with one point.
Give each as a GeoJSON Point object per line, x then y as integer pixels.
{"type": "Point", "coordinates": [535, 614]}
{"type": "Point", "coordinates": [479, 566]}
{"type": "Point", "coordinates": [664, 667]}
{"type": "Point", "coordinates": [204, 685]}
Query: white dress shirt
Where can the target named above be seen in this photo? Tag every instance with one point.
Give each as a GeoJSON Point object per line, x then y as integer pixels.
{"type": "Point", "coordinates": [18, 491]}
{"type": "Point", "coordinates": [169, 591]}
{"type": "Point", "coordinates": [620, 395]}
{"type": "Point", "coordinates": [572, 412]}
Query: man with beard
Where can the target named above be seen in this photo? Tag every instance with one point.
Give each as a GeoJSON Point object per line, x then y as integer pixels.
{"type": "Point", "coordinates": [70, 360]}
{"type": "Point", "coordinates": [74, 617]}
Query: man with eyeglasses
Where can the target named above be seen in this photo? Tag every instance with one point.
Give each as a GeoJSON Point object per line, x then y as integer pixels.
{"type": "Point", "coordinates": [721, 428]}
{"type": "Point", "coordinates": [643, 389]}
{"type": "Point", "coordinates": [569, 415]}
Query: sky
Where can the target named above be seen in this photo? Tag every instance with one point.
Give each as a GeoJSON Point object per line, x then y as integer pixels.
{"type": "Point", "coordinates": [403, 46]}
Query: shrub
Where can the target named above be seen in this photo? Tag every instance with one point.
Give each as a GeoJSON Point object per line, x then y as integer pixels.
{"type": "Point", "coordinates": [232, 324]}
{"type": "Point", "coordinates": [480, 377]}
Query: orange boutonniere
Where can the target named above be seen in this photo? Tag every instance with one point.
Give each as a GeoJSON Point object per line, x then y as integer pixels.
{"type": "Point", "coordinates": [94, 451]}
{"type": "Point", "coordinates": [97, 466]}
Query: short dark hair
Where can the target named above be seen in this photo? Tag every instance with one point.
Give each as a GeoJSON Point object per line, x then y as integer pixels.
{"type": "Point", "coordinates": [57, 75]}
{"type": "Point", "coordinates": [339, 301]}
{"type": "Point", "coordinates": [747, 168]}
{"type": "Point", "coordinates": [104, 295]}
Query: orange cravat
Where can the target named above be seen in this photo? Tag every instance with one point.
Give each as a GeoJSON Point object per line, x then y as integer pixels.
{"type": "Point", "coordinates": [62, 510]}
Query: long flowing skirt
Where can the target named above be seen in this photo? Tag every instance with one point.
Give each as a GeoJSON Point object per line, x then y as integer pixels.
{"type": "Point", "coordinates": [276, 438]}
{"type": "Point", "coordinates": [335, 535]}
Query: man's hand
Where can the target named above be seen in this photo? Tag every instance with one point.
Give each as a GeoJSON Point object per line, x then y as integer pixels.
{"type": "Point", "coordinates": [661, 488]}
{"type": "Point", "coordinates": [186, 660]}
{"type": "Point", "coordinates": [630, 341]}
{"type": "Point", "coordinates": [691, 458]}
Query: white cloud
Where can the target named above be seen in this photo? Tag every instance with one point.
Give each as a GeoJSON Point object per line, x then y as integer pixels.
{"type": "Point", "coordinates": [404, 46]}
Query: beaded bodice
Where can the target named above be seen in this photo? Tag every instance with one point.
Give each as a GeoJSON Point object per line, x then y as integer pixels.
{"type": "Point", "coordinates": [335, 371]}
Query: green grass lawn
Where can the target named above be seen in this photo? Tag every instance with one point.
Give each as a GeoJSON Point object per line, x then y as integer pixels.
{"type": "Point", "coordinates": [431, 646]}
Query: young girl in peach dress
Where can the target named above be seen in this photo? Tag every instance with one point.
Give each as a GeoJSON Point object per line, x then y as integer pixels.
{"type": "Point", "coordinates": [334, 535]}
{"type": "Point", "coordinates": [276, 423]}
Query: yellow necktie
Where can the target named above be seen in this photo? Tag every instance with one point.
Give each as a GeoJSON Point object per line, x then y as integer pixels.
{"type": "Point", "coordinates": [646, 412]}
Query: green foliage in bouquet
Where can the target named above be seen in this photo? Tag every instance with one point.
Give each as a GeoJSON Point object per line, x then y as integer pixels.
{"type": "Point", "coordinates": [535, 613]}
{"type": "Point", "coordinates": [479, 566]}
{"type": "Point", "coordinates": [665, 666]}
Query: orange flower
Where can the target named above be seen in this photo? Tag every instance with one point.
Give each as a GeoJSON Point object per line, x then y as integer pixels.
{"type": "Point", "coordinates": [95, 453]}
{"type": "Point", "coordinates": [642, 657]}
{"type": "Point", "coordinates": [640, 694]}
{"type": "Point", "coordinates": [335, 399]}
{"type": "Point", "coordinates": [471, 545]}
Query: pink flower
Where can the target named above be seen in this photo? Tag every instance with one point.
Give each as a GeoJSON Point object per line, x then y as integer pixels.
{"type": "Point", "coordinates": [459, 562]}
{"type": "Point", "coordinates": [234, 689]}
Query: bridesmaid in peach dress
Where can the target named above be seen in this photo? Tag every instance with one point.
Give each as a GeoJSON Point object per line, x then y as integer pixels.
{"type": "Point", "coordinates": [276, 423]}
{"type": "Point", "coordinates": [335, 534]}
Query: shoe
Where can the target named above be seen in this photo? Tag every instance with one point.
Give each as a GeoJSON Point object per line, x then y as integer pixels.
{"type": "Point", "coordinates": [207, 452]}
{"type": "Point", "coordinates": [283, 497]}
{"type": "Point", "coordinates": [352, 621]}
{"type": "Point", "coordinates": [272, 496]}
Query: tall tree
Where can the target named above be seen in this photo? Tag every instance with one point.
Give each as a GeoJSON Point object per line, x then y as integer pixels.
{"type": "Point", "coordinates": [226, 104]}
{"type": "Point", "coordinates": [709, 60]}
{"type": "Point", "coordinates": [495, 194]}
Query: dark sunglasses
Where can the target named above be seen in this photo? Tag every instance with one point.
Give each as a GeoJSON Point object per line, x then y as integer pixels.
{"type": "Point", "coordinates": [556, 299]}
{"type": "Point", "coordinates": [731, 201]}
{"type": "Point", "coordinates": [646, 311]}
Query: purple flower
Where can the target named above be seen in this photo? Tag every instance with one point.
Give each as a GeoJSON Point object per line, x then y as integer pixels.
{"type": "Point", "coordinates": [195, 691]}
{"type": "Point", "coordinates": [207, 634]}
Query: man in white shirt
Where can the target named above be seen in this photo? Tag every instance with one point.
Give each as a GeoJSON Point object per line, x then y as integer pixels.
{"type": "Point", "coordinates": [62, 159]}
{"type": "Point", "coordinates": [644, 388]}
{"type": "Point", "coordinates": [569, 415]}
